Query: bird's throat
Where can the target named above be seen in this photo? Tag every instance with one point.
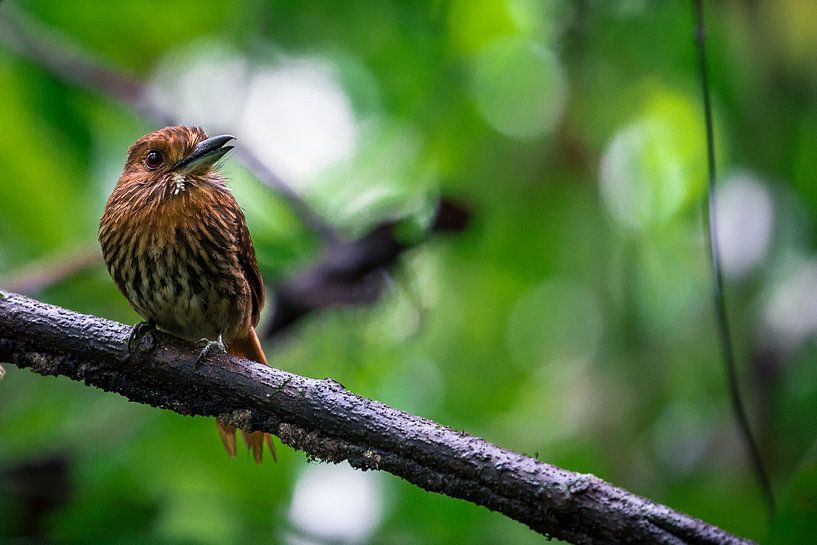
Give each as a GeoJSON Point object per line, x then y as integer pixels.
{"type": "Point", "coordinates": [179, 183]}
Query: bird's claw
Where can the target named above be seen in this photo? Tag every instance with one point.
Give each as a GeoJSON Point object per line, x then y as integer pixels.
{"type": "Point", "coordinates": [208, 346]}
{"type": "Point", "coordinates": [138, 332]}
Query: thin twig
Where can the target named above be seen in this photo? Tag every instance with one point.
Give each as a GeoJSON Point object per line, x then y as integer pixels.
{"type": "Point", "coordinates": [327, 422]}
{"type": "Point", "coordinates": [64, 59]}
{"type": "Point", "coordinates": [724, 330]}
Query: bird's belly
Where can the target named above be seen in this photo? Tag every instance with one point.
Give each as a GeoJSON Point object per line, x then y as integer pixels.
{"type": "Point", "coordinates": [186, 314]}
{"type": "Point", "coordinates": [192, 301]}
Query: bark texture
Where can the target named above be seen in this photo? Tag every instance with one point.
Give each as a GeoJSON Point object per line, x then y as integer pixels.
{"type": "Point", "coordinates": [329, 423]}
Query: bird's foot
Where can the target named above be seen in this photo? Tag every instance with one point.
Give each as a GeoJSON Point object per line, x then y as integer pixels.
{"type": "Point", "coordinates": [138, 333]}
{"type": "Point", "coordinates": [208, 346]}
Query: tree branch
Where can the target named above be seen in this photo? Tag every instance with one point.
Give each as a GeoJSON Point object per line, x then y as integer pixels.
{"type": "Point", "coordinates": [327, 422]}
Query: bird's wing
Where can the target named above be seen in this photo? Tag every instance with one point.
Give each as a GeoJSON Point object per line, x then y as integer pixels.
{"type": "Point", "coordinates": [249, 265]}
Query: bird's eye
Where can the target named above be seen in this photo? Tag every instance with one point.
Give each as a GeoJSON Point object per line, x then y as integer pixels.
{"type": "Point", "coordinates": [154, 159]}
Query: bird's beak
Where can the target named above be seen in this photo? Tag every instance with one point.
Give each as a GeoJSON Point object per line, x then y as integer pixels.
{"type": "Point", "coordinates": [204, 154]}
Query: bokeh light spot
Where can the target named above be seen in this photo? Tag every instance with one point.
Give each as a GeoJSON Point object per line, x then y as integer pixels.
{"type": "Point", "coordinates": [296, 115]}
{"type": "Point", "coordinates": [474, 24]}
{"type": "Point", "coordinates": [203, 83]}
{"type": "Point", "coordinates": [789, 313]}
{"type": "Point", "coordinates": [557, 320]}
{"type": "Point", "coordinates": [654, 166]}
{"type": "Point", "coordinates": [519, 87]}
{"type": "Point", "coordinates": [336, 502]}
{"type": "Point", "coordinates": [745, 217]}
{"type": "Point", "coordinates": [299, 119]}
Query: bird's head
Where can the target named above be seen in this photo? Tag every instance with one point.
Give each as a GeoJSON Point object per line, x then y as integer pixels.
{"type": "Point", "coordinates": [169, 161]}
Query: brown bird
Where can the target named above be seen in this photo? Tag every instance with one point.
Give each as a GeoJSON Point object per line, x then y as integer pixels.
{"type": "Point", "coordinates": [176, 243]}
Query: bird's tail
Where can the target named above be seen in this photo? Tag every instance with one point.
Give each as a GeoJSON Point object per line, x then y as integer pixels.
{"type": "Point", "coordinates": [248, 347]}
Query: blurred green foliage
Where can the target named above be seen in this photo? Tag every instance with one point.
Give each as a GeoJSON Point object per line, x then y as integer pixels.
{"type": "Point", "coordinates": [572, 321]}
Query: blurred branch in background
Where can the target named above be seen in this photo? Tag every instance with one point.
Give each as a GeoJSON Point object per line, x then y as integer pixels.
{"type": "Point", "coordinates": [347, 273]}
{"type": "Point", "coordinates": [38, 486]}
{"type": "Point", "coordinates": [68, 62]}
{"type": "Point", "coordinates": [37, 276]}
{"type": "Point", "coordinates": [329, 423]}
{"type": "Point", "coordinates": [711, 225]}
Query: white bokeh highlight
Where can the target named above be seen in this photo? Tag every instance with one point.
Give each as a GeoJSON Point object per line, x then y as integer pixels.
{"type": "Point", "coordinates": [790, 313]}
{"type": "Point", "coordinates": [337, 503]}
{"type": "Point", "coordinates": [203, 84]}
{"type": "Point", "coordinates": [294, 113]}
{"type": "Point", "coordinates": [745, 219]}
{"type": "Point", "coordinates": [298, 118]}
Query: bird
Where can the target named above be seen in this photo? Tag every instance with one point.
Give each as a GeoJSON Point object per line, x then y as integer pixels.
{"type": "Point", "coordinates": [176, 243]}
